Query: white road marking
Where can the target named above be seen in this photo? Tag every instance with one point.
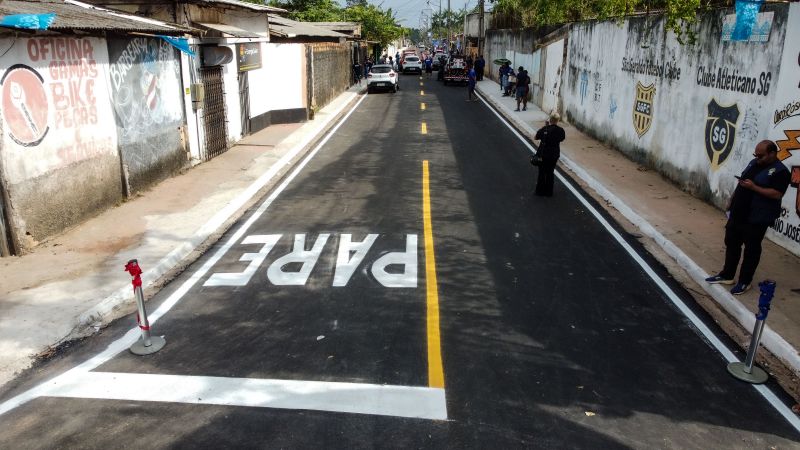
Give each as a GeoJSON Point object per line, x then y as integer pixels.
{"type": "Point", "coordinates": [392, 399]}
{"type": "Point", "coordinates": [358, 398]}
{"type": "Point", "coordinates": [701, 327]}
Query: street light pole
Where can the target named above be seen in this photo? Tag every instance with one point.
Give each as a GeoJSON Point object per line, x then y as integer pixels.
{"type": "Point", "coordinates": [480, 27]}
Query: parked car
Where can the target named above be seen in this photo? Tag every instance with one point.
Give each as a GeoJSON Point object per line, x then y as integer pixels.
{"type": "Point", "coordinates": [412, 64]}
{"type": "Point", "coordinates": [382, 76]}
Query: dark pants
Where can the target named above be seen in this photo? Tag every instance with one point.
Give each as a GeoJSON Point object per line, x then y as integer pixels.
{"type": "Point", "coordinates": [736, 235]}
{"type": "Point", "coordinates": [547, 177]}
{"type": "Point", "coordinates": [480, 74]}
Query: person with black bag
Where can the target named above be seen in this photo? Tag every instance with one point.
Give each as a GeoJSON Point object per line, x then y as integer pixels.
{"type": "Point", "coordinates": [550, 136]}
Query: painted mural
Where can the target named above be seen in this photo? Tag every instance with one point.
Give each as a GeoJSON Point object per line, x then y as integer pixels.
{"type": "Point", "coordinates": [145, 82]}
{"type": "Point", "coordinates": [784, 129]}
{"type": "Point", "coordinates": [54, 105]}
{"type": "Point", "coordinates": [695, 112]}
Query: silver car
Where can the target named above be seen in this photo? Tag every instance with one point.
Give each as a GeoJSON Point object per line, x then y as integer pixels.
{"type": "Point", "coordinates": [382, 76]}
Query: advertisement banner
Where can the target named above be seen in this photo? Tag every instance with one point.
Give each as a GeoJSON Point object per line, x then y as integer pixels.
{"type": "Point", "coordinates": [248, 56]}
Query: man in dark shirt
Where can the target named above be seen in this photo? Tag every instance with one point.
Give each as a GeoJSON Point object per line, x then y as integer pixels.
{"type": "Point", "coordinates": [550, 137]}
{"type": "Point", "coordinates": [480, 64]}
{"type": "Point", "coordinates": [754, 206]}
{"type": "Point", "coordinates": [522, 88]}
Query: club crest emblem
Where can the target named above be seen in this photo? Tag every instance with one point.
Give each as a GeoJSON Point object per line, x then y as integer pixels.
{"type": "Point", "coordinates": [643, 108]}
{"type": "Point", "coordinates": [720, 131]}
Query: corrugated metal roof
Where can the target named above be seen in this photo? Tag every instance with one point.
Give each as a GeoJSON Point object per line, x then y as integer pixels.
{"type": "Point", "coordinates": [252, 6]}
{"type": "Point", "coordinates": [231, 30]}
{"type": "Point", "coordinates": [72, 16]}
{"type": "Point", "coordinates": [283, 27]}
{"type": "Point", "coordinates": [344, 27]}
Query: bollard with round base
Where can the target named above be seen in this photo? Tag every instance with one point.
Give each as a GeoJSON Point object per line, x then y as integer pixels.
{"type": "Point", "coordinates": [745, 371]}
{"type": "Point", "coordinates": [148, 344]}
{"type": "Point", "coordinates": [156, 344]}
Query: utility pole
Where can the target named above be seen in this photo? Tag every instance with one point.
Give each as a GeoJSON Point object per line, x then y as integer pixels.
{"type": "Point", "coordinates": [480, 27]}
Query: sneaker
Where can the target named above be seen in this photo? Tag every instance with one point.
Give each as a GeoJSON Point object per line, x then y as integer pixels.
{"type": "Point", "coordinates": [740, 289]}
{"type": "Point", "coordinates": [717, 279]}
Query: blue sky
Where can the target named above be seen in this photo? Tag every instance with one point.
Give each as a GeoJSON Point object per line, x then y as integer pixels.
{"type": "Point", "coordinates": [408, 11]}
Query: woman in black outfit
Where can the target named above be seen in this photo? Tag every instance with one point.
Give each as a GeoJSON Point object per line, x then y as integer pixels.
{"type": "Point", "coordinates": [549, 137]}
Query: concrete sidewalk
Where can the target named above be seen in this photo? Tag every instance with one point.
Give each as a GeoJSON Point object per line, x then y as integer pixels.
{"type": "Point", "coordinates": [683, 232]}
{"type": "Point", "coordinates": [74, 284]}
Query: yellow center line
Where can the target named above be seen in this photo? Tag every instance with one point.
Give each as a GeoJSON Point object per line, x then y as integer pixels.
{"type": "Point", "coordinates": [422, 106]}
{"type": "Point", "coordinates": [421, 83]}
{"type": "Point", "coordinates": [435, 369]}
{"type": "Point", "coordinates": [421, 92]}
{"type": "Point", "coordinates": [424, 128]}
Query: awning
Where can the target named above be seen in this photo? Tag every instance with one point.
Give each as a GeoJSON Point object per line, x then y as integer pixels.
{"type": "Point", "coordinates": [232, 31]}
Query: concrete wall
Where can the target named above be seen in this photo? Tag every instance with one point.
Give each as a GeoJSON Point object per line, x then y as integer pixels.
{"type": "Point", "coordinates": [537, 52]}
{"type": "Point", "coordinates": [553, 68]}
{"type": "Point", "coordinates": [148, 107]}
{"type": "Point", "coordinates": [694, 113]}
{"type": "Point", "coordinates": [59, 144]}
{"type": "Point", "coordinates": [278, 88]}
{"type": "Point", "coordinates": [331, 71]}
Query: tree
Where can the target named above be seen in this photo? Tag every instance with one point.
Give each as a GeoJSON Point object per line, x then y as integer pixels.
{"type": "Point", "coordinates": [376, 24]}
{"type": "Point", "coordinates": [310, 10]}
{"type": "Point", "coordinates": [445, 22]}
{"type": "Point", "coordinates": [680, 14]}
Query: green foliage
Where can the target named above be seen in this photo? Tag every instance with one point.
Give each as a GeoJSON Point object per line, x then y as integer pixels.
{"type": "Point", "coordinates": [376, 24]}
{"type": "Point", "coordinates": [446, 21]}
{"type": "Point", "coordinates": [310, 10]}
{"type": "Point", "coordinates": [680, 14]}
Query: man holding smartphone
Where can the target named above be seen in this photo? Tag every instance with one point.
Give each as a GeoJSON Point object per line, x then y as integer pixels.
{"type": "Point", "coordinates": [754, 206]}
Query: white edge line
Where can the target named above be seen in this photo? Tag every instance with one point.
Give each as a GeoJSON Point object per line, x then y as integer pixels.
{"type": "Point", "coordinates": [358, 398]}
{"type": "Point", "coordinates": [166, 263]}
{"type": "Point", "coordinates": [642, 224]}
{"type": "Point", "coordinates": [47, 387]}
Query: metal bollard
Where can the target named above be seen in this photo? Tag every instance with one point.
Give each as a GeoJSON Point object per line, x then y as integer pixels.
{"type": "Point", "coordinates": [147, 344]}
{"type": "Point", "coordinates": [745, 371]}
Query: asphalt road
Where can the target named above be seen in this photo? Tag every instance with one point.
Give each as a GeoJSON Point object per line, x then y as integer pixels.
{"type": "Point", "coordinates": [406, 289]}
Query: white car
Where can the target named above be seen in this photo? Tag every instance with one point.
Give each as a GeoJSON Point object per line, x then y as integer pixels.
{"type": "Point", "coordinates": [412, 64]}
{"type": "Point", "coordinates": [382, 76]}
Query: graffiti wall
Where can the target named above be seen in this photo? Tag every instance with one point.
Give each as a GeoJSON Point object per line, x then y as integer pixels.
{"type": "Point", "coordinates": [144, 75]}
{"type": "Point", "coordinates": [784, 128]}
{"type": "Point", "coordinates": [694, 112]}
{"type": "Point", "coordinates": [554, 61]}
{"type": "Point", "coordinates": [59, 149]}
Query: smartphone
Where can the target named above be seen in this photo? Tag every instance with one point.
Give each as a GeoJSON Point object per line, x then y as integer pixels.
{"type": "Point", "coordinates": [737, 177]}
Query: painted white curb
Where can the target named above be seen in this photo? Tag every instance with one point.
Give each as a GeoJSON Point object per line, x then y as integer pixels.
{"type": "Point", "coordinates": [771, 340]}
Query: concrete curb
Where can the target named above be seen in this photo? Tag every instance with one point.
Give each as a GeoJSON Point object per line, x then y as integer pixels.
{"type": "Point", "coordinates": [300, 143]}
{"type": "Point", "coordinates": [770, 339]}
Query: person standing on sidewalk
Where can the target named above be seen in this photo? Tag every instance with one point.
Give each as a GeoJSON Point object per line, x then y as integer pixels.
{"type": "Point", "coordinates": [522, 88]}
{"type": "Point", "coordinates": [471, 84]}
{"type": "Point", "coordinates": [754, 206]}
{"type": "Point", "coordinates": [505, 71]}
{"type": "Point", "coordinates": [550, 137]}
{"type": "Point", "coordinates": [480, 65]}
